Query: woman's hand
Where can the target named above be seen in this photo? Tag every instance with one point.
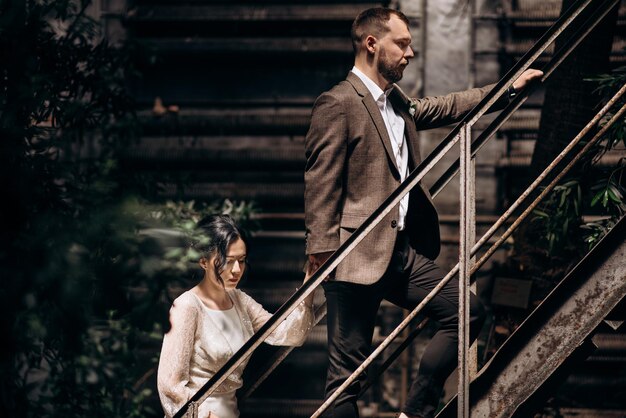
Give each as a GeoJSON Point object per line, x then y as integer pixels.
{"type": "Point", "coordinates": [307, 276]}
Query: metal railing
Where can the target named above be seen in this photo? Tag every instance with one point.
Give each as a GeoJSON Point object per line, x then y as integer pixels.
{"type": "Point", "coordinates": [461, 133]}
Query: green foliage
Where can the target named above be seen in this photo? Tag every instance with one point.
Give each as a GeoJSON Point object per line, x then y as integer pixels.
{"type": "Point", "coordinates": [84, 275]}
{"type": "Point", "coordinates": [560, 215]}
{"type": "Point", "coordinates": [607, 82]}
{"type": "Point", "coordinates": [99, 301]}
{"type": "Point", "coordinates": [608, 193]}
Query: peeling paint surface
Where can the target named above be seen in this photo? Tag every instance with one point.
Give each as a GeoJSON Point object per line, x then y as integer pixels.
{"type": "Point", "coordinates": [557, 339]}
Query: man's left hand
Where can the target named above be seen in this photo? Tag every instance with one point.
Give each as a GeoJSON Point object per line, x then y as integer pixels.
{"type": "Point", "coordinates": [526, 78]}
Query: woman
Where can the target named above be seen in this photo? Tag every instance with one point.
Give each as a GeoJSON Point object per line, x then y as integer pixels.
{"type": "Point", "coordinates": [212, 321]}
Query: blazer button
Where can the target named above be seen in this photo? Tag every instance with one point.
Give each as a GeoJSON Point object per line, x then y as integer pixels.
{"type": "Point", "coordinates": [394, 223]}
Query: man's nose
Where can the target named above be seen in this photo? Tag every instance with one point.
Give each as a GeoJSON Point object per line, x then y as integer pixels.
{"type": "Point", "coordinates": [409, 52]}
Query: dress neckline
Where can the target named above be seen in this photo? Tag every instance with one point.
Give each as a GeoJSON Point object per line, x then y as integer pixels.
{"type": "Point", "coordinates": [224, 312]}
{"type": "Point", "coordinates": [211, 309]}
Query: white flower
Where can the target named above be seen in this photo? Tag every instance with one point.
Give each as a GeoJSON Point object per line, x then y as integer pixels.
{"type": "Point", "coordinates": [412, 108]}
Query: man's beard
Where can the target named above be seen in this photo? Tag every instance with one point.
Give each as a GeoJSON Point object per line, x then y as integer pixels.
{"type": "Point", "coordinates": [392, 73]}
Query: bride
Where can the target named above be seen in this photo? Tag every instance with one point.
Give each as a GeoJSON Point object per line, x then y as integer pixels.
{"type": "Point", "coordinates": [211, 321]}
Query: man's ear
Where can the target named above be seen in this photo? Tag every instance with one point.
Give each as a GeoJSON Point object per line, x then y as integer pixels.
{"type": "Point", "coordinates": [371, 44]}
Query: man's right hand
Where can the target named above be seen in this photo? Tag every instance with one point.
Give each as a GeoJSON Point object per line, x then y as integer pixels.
{"type": "Point", "coordinates": [316, 260]}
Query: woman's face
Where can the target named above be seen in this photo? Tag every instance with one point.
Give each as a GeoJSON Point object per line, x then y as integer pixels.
{"type": "Point", "coordinates": [235, 263]}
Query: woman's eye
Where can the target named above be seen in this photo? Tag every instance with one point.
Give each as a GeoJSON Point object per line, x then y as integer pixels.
{"type": "Point", "coordinates": [232, 261]}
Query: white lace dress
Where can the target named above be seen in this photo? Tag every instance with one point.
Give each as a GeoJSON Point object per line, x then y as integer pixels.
{"type": "Point", "coordinates": [201, 340]}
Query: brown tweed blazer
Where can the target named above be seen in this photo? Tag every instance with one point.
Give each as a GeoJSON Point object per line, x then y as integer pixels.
{"type": "Point", "coordinates": [350, 170]}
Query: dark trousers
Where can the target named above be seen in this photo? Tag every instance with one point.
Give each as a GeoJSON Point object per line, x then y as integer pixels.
{"type": "Point", "coordinates": [352, 311]}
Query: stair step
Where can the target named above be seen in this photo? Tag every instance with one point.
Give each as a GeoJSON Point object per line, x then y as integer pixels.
{"type": "Point", "coordinates": [239, 13]}
{"type": "Point", "coordinates": [591, 413]}
{"type": "Point", "coordinates": [289, 408]}
{"type": "Point", "coordinates": [611, 347]}
{"type": "Point", "coordinates": [204, 79]}
{"type": "Point", "coordinates": [540, 10]}
{"type": "Point", "coordinates": [280, 120]}
{"type": "Point", "coordinates": [291, 45]}
{"type": "Point", "coordinates": [271, 194]}
{"type": "Point", "coordinates": [219, 153]}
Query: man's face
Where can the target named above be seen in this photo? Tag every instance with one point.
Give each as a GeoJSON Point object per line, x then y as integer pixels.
{"type": "Point", "coordinates": [395, 50]}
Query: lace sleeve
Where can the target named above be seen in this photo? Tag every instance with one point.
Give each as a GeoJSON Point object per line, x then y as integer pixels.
{"type": "Point", "coordinates": [178, 344]}
{"type": "Point", "coordinates": [292, 331]}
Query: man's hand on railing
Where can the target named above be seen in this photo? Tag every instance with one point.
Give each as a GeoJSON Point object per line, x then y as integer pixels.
{"type": "Point", "coordinates": [526, 78]}
{"type": "Point", "coordinates": [315, 262]}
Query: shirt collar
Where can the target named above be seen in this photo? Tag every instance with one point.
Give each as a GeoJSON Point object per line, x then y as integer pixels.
{"type": "Point", "coordinates": [378, 94]}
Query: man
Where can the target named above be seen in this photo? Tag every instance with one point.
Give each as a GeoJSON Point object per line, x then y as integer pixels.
{"type": "Point", "coordinates": [361, 144]}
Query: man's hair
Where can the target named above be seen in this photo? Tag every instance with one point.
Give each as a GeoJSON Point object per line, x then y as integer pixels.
{"type": "Point", "coordinates": [373, 22]}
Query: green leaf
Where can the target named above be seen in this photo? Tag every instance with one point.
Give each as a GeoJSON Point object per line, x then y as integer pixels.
{"type": "Point", "coordinates": [612, 195]}
{"type": "Point", "coordinates": [596, 198]}
{"type": "Point", "coordinates": [193, 254]}
{"type": "Point", "coordinates": [174, 253]}
{"type": "Point", "coordinates": [616, 191]}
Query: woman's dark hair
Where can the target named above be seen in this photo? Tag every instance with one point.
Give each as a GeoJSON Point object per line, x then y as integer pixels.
{"type": "Point", "coordinates": [217, 232]}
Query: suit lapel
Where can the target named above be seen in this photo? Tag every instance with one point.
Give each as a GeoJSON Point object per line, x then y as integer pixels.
{"type": "Point", "coordinates": [401, 104]}
{"type": "Point", "coordinates": [374, 112]}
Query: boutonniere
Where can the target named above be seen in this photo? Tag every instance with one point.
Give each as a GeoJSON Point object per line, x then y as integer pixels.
{"type": "Point", "coordinates": [412, 108]}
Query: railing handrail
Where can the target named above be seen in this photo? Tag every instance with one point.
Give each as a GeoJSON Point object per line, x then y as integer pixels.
{"type": "Point", "coordinates": [376, 217]}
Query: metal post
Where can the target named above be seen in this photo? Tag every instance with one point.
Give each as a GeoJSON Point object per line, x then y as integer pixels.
{"type": "Point", "coordinates": [472, 360]}
{"type": "Point", "coordinates": [465, 245]}
{"type": "Point", "coordinates": [404, 367]}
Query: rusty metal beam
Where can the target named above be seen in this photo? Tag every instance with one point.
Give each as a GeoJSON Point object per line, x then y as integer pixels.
{"type": "Point", "coordinates": [552, 333]}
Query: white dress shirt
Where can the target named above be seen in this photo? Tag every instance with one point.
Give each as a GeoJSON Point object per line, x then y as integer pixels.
{"type": "Point", "coordinates": [395, 129]}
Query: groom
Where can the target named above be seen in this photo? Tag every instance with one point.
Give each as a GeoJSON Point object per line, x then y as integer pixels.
{"type": "Point", "coordinates": [361, 144]}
